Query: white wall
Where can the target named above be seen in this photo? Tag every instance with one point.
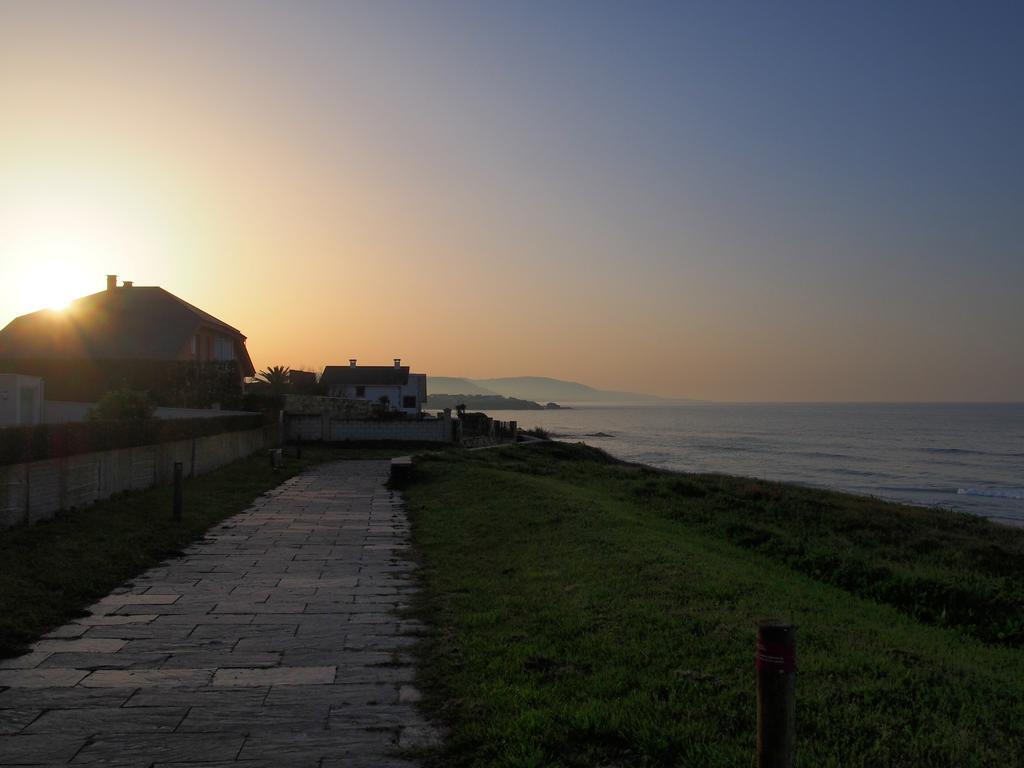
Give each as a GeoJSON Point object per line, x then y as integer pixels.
{"type": "Point", "coordinates": [21, 400]}
{"type": "Point", "coordinates": [396, 393]}
{"type": "Point", "coordinates": [37, 490]}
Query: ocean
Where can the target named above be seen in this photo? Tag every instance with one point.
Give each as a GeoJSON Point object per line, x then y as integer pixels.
{"type": "Point", "coordinates": [965, 457]}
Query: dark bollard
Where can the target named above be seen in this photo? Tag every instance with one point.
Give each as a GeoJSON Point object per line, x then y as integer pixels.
{"type": "Point", "coordinates": [776, 694]}
{"type": "Point", "coordinates": [298, 447]}
{"type": "Point", "coordinates": [401, 468]}
{"type": "Point", "coordinates": [178, 500]}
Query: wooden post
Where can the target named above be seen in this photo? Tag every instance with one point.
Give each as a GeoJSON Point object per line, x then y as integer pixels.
{"type": "Point", "coordinates": [178, 501]}
{"type": "Point", "coordinates": [776, 694]}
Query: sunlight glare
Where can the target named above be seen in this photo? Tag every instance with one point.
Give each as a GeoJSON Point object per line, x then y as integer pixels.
{"type": "Point", "coordinates": [61, 235]}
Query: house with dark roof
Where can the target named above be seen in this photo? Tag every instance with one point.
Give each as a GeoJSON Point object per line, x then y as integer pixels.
{"type": "Point", "coordinates": [119, 332]}
{"type": "Point", "coordinates": [391, 385]}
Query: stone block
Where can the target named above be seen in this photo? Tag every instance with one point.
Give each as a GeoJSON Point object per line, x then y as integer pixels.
{"type": "Point", "coordinates": [275, 676]}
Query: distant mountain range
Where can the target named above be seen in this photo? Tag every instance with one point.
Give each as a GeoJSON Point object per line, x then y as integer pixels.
{"type": "Point", "coordinates": [540, 389]}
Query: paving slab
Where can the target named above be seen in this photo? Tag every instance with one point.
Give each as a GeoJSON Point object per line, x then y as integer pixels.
{"type": "Point", "coordinates": [29, 750]}
{"type": "Point", "coordinates": [275, 640]}
{"type": "Point", "coordinates": [108, 720]}
{"type": "Point", "coordinates": [116, 620]}
{"type": "Point", "coordinates": [80, 645]}
{"type": "Point", "coordinates": [63, 698]}
{"type": "Point", "coordinates": [275, 676]}
{"type": "Point", "coordinates": [29, 660]}
{"type": "Point", "coordinates": [41, 678]}
{"type": "Point", "coordinates": [16, 720]}
{"type": "Point", "coordinates": [168, 747]}
{"type": "Point", "coordinates": [142, 678]}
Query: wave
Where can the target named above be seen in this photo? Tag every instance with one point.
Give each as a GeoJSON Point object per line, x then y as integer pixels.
{"type": "Point", "coordinates": [825, 455]}
{"type": "Point", "coordinates": [969, 452]}
{"type": "Point", "coordinates": [995, 493]}
{"type": "Point", "coordinates": [915, 489]}
{"type": "Point", "coordinates": [859, 473]}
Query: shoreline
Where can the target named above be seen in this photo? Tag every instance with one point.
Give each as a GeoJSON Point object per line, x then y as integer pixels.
{"type": "Point", "coordinates": [1011, 522]}
{"type": "Point", "coordinates": [966, 458]}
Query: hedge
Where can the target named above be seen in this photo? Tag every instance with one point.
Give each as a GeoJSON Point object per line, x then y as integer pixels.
{"type": "Point", "coordinates": [171, 383]}
{"type": "Point", "coordinates": [54, 441]}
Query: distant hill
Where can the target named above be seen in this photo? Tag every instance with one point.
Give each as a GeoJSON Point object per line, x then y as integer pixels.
{"type": "Point", "coordinates": [537, 388]}
{"type": "Point", "coordinates": [449, 385]}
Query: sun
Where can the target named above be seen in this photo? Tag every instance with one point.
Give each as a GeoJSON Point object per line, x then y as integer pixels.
{"type": "Point", "coordinates": [57, 240]}
{"type": "Point", "coordinates": [54, 285]}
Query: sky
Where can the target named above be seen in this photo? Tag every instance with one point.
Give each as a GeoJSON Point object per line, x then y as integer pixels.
{"type": "Point", "coordinates": [815, 201]}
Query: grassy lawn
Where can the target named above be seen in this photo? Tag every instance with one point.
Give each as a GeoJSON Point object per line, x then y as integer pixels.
{"type": "Point", "coordinates": [51, 570]}
{"type": "Point", "coordinates": [588, 613]}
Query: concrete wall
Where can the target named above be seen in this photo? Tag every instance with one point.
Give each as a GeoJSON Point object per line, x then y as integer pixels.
{"type": "Point", "coordinates": [37, 490]}
{"type": "Point", "coordinates": [315, 428]}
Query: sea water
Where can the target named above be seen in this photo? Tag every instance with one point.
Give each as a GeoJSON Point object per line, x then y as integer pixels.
{"type": "Point", "coordinates": [966, 457]}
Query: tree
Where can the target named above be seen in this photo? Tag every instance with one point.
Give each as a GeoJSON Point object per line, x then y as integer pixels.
{"type": "Point", "coordinates": [277, 377]}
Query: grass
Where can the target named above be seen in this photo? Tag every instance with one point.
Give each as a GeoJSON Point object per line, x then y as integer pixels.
{"type": "Point", "coordinates": [52, 570]}
{"type": "Point", "coordinates": [588, 613]}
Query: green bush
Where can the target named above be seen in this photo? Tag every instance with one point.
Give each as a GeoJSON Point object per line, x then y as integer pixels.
{"type": "Point", "coordinates": [123, 404]}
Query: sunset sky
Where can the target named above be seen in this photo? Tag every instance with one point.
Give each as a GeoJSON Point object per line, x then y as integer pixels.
{"type": "Point", "coordinates": [726, 201]}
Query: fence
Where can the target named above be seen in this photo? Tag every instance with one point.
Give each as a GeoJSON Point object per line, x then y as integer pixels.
{"type": "Point", "coordinates": [477, 430]}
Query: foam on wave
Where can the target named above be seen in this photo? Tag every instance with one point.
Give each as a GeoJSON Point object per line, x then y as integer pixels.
{"type": "Point", "coordinates": [995, 493]}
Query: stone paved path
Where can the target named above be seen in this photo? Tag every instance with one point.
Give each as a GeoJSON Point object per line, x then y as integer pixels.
{"type": "Point", "coordinates": [274, 641]}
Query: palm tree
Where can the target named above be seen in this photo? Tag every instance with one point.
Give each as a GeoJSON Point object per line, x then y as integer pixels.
{"type": "Point", "coordinates": [277, 377]}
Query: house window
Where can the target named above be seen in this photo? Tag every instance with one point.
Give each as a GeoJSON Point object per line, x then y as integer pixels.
{"type": "Point", "coordinates": [409, 401]}
{"type": "Point", "coordinates": [223, 348]}
{"type": "Point", "coordinates": [360, 391]}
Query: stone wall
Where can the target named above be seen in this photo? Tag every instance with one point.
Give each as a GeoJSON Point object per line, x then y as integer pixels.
{"type": "Point", "coordinates": [37, 490]}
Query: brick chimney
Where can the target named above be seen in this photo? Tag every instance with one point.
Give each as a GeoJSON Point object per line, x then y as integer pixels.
{"type": "Point", "coordinates": [351, 362]}
{"type": "Point", "coordinates": [398, 362]}
{"type": "Point", "coordinates": [111, 282]}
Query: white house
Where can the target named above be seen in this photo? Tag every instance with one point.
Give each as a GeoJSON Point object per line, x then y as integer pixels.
{"type": "Point", "coordinates": [392, 385]}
